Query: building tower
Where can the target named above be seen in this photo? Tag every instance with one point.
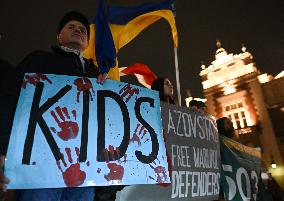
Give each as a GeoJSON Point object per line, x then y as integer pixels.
{"type": "Point", "coordinates": [234, 87]}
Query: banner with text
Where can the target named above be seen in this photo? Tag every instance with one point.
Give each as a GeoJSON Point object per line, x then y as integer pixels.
{"type": "Point", "coordinates": [70, 131]}
{"type": "Point", "coordinates": [193, 147]}
{"type": "Point", "coordinates": [240, 170]}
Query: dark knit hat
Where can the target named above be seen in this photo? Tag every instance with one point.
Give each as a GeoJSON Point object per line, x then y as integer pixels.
{"type": "Point", "coordinates": [74, 15]}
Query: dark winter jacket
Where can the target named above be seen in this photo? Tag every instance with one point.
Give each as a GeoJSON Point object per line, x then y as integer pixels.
{"type": "Point", "coordinates": [57, 62]}
{"type": "Point", "coordinates": [8, 68]}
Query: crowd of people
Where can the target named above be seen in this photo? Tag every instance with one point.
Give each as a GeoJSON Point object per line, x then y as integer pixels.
{"type": "Point", "coordinates": [66, 58]}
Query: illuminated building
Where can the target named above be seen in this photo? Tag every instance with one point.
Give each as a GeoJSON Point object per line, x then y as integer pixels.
{"type": "Point", "coordinates": [235, 88]}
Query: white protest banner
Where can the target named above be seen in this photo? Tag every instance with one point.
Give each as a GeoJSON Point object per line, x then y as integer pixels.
{"type": "Point", "coordinates": [70, 131]}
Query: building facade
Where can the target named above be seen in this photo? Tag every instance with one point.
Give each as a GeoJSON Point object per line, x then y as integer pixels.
{"type": "Point", "coordinates": [235, 88]}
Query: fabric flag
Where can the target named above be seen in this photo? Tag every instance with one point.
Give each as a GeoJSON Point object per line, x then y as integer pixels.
{"type": "Point", "coordinates": [240, 170]}
{"type": "Point", "coordinates": [126, 23]}
{"type": "Point", "coordinates": [105, 50]}
{"type": "Point", "coordinates": [144, 75]}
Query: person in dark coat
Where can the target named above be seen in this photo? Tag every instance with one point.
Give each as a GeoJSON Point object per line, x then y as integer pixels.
{"type": "Point", "coordinates": [65, 59]}
{"type": "Point", "coordinates": [225, 127]}
{"type": "Point", "coordinates": [9, 70]}
{"type": "Point", "coordinates": [166, 94]}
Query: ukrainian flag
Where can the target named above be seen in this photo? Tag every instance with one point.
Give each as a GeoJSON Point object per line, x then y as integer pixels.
{"type": "Point", "coordinates": [126, 23]}
{"type": "Point", "coordinates": [105, 49]}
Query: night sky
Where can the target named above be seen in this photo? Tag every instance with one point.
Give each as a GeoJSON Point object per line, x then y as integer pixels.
{"type": "Point", "coordinates": [31, 25]}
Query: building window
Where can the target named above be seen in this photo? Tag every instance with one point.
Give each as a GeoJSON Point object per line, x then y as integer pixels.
{"type": "Point", "coordinates": [237, 113]}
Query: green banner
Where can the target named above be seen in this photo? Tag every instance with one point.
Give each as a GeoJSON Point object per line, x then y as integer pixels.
{"type": "Point", "coordinates": [240, 170]}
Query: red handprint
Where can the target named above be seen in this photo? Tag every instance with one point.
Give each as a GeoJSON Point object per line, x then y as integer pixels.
{"type": "Point", "coordinates": [127, 90]}
{"type": "Point", "coordinates": [160, 172]}
{"type": "Point", "coordinates": [138, 137]}
{"type": "Point", "coordinates": [34, 79]}
{"type": "Point", "coordinates": [73, 176]}
{"type": "Point", "coordinates": [116, 171]}
{"type": "Point", "coordinates": [69, 129]}
{"type": "Point", "coordinates": [84, 85]}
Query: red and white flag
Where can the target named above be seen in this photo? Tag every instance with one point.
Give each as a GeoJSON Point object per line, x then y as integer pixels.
{"type": "Point", "coordinates": [144, 75]}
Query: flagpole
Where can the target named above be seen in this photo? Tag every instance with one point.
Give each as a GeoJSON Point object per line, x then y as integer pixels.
{"type": "Point", "coordinates": [177, 76]}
